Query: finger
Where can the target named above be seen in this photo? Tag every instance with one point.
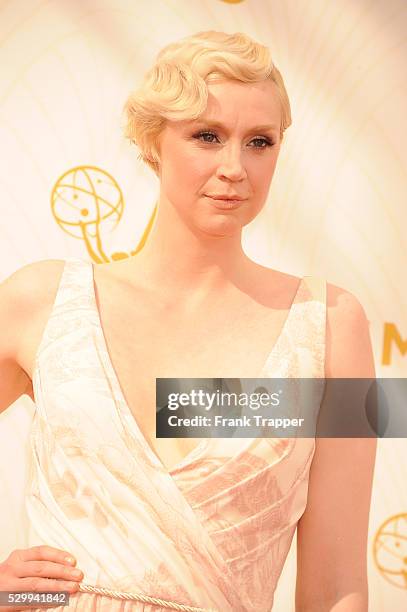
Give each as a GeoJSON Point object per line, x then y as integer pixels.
{"type": "Point", "coordinates": [46, 585]}
{"type": "Point", "coordinates": [45, 553]}
{"type": "Point", "coordinates": [47, 569]}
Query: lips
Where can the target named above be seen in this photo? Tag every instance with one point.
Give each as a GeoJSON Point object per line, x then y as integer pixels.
{"type": "Point", "coordinates": [232, 196]}
{"type": "Point", "coordinates": [225, 203]}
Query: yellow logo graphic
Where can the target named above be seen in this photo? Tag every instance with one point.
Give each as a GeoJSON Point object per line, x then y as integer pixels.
{"type": "Point", "coordinates": [85, 198]}
{"type": "Point", "coordinates": [391, 334]}
{"type": "Point", "coordinates": [390, 550]}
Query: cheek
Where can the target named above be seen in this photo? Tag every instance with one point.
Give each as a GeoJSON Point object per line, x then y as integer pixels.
{"type": "Point", "coordinates": [261, 174]}
{"type": "Point", "coordinates": [190, 168]}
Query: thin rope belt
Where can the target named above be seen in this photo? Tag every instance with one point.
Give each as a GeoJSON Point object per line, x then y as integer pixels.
{"type": "Point", "coordinates": [171, 605]}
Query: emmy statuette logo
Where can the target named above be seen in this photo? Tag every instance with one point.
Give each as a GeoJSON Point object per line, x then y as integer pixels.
{"type": "Point", "coordinates": [390, 550]}
{"type": "Point", "coordinates": [86, 199]}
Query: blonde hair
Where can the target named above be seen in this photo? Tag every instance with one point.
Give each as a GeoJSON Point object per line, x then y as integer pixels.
{"type": "Point", "coordinates": [175, 88]}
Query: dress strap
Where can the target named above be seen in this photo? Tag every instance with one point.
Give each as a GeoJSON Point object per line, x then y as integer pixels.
{"type": "Point", "coordinates": [300, 349]}
{"type": "Point", "coordinates": [75, 280]}
{"type": "Point", "coordinates": [316, 287]}
{"type": "Point", "coordinates": [74, 294]}
{"type": "Point", "coordinates": [314, 337]}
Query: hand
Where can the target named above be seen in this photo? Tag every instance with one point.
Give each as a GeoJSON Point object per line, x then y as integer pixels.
{"type": "Point", "coordinates": [39, 568]}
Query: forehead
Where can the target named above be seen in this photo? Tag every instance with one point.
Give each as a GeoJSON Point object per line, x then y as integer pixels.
{"type": "Point", "coordinates": [234, 99]}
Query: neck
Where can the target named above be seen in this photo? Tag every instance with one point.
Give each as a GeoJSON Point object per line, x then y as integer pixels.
{"type": "Point", "coordinates": [187, 261]}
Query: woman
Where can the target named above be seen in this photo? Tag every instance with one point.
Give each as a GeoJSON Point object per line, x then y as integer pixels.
{"type": "Point", "coordinates": [203, 523]}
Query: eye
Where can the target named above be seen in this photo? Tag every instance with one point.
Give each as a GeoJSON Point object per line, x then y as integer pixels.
{"type": "Point", "coordinates": [264, 143]}
{"type": "Point", "coordinates": [202, 136]}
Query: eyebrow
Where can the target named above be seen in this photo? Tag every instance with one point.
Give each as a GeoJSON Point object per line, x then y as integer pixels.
{"type": "Point", "coordinates": [254, 128]}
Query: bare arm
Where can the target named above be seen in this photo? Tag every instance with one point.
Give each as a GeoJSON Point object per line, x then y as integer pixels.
{"type": "Point", "coordinates": [26, 299]}
{"type": "Point", "coordinates": [13, 379]}
{"type": "Point", "coordinates": [332, 533]}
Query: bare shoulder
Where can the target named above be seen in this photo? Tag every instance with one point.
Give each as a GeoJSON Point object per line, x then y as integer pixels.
{"type": "Point", "coordinates": [26, 299]}
{"type": "Point", "coordinates": [275, 285]}
{"type": "Point", "coordinates": [32, 285]}
{"type": "Point", "coordinates": [342, 304]}
{"type": "Point", "coordinates": [348, 342]}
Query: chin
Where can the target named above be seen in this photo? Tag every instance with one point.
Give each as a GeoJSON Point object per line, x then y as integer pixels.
{"type": "Point", "coordinates": [222, 227]}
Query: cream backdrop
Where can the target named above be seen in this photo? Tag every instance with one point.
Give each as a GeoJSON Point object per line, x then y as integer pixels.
{"type": "Point", "coordinates": [336, 206]}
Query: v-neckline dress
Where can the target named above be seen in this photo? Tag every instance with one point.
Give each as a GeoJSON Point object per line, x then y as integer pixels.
{"type": "Point", "coordinates": [212, 532]}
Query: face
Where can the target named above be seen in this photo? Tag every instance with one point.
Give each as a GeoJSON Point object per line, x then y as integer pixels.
{"type": "Point", "coordinates": [216, 170]}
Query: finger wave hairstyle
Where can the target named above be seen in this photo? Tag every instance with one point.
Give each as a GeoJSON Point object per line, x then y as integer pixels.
{"type": "Point", "coordinates": [175, 88]}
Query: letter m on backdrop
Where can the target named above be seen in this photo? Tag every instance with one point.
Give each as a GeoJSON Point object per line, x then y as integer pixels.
{"type": "Point", "coordinates": [391, 335]}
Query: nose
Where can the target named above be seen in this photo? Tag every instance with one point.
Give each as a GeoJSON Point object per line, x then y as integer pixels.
{"type": "Point", "coordinates": [230, 164]}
